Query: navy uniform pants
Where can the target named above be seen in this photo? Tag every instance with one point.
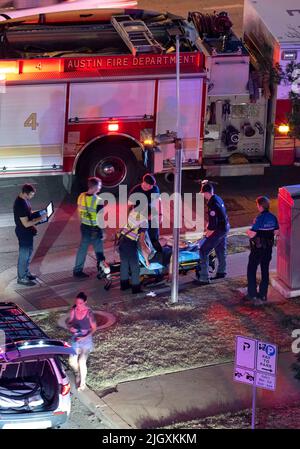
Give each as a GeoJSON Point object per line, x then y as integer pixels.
{"type": "Point", "coordinates": [130, 266]}
{"type": "Point", "coordinates": [218, 242]}
{"type": "Point", "coordinates": [262, 257]}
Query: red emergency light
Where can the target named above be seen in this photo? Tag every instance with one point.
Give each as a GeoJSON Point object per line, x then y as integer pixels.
{"type": "Point", "coordinates": [113, 127]}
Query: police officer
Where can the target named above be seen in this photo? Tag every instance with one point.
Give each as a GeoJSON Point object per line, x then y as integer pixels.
{"type": "Point", "coordinates": [88, 206]}
{"type": "Point", "coordinates": [149, 188]}
{"type": "Point", "coordinates": [262, 233]}
{"type": "Point", "coordinates": [133, 235]}
{"type": "Point", "coordinates": [216, 234]}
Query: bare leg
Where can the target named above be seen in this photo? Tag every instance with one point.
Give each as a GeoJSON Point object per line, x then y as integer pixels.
{"type": "Point", "coordinates": [83, 368]}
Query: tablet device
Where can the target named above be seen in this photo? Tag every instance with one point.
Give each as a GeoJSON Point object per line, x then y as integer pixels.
{"type": "Point", "coordinates": [49, 211]}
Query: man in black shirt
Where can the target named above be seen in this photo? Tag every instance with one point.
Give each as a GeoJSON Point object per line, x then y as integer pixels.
{"type": "Point", "coordinates": [216, 234]}
{"type": "Point", "coordinates": [25, 231]}
{"type": "Point", "coordinates": [151, 191]}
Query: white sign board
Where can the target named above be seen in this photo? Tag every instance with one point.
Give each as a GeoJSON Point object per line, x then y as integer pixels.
{"type": "Point", "coordinates": [266, 358]}
{"type": "Point", "coordinates": [255, 363]}
{"type": "Point", "coordinates": [266, 381]}
{"type": "Point", "coordinates": [245, 352]}
{"type": "Point", "coordinates": [244, 376]}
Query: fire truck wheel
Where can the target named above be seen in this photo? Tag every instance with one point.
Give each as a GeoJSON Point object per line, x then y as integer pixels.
{"type": "Point", "coordinates": [113, 165]}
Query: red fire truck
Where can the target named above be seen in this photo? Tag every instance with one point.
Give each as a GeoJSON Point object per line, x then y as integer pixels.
{"type": "Point", "coordinates": [86, 93]}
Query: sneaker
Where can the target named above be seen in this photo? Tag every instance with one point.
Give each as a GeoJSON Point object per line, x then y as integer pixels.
{"type": "Point", "coordinates": [80, 274]}
{"type": "Point", "coordinates": [26, 282]}
{"type": "Point", "coordinates": [220, 276]}
{"type": "Point", "coordinates": [104, 267]}
{"type": "Point", "coordinates": [248, 298]}
{"type": "Point", "coordinates": [199, 282]}
{"type": "Point", "coordinates": [258, 302]}
{"type": "Point", "coordinates": [31, 277]}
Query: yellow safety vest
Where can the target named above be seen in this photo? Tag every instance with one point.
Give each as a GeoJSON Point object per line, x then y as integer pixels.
{"type": "Point", "coordinates": [87, 206]}
{"type": "Point", "coordinates": [136, 221]}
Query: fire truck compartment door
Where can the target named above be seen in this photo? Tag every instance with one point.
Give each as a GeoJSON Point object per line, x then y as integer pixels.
{"type": "Point", "coordinates": [111, 99]}
{"type": "Point", "coordinates": [190, 111]}
{"type": "Point", "coordinates": [32, 125]}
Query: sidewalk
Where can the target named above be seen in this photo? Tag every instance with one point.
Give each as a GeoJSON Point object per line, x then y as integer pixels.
{"type": "Point", "coordinates": [206, 390]}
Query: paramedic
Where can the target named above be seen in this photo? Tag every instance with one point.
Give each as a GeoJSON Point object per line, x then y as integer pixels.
{"type": "Point", "coordinates": [149, 188]}
{"type": "Point", "coordinates": [215, 236]}
{"type": "Point", "coordinates": [132, 237]}
{"type": "Point", "coordinates": [89, 204]}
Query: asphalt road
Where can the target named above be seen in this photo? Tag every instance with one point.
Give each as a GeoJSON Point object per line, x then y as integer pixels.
{"type": "Point", "coordinates": [182, 7]}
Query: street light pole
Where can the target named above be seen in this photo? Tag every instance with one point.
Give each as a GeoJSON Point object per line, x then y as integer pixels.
{"type": "Point", "coordinates": [177, 185]}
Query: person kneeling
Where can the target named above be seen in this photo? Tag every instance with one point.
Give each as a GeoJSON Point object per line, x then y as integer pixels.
{"type": "Point", "coordinates": [133, 236]}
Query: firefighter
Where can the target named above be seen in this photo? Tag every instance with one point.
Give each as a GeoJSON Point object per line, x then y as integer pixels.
{"type": "Point", "coordinates": [88, 206]}
{"type": "Point", "coordinates": [132, 238]}
{"type": "Point", "coordinates": [261, 234]}
{"type": "Point", "coordinates": [215, 236]}
{"type": "Point", "coordinates": [149, 188]}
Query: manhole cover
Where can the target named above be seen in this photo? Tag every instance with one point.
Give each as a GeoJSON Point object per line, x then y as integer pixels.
{"type": "Point", "coordinates": [103, 320]}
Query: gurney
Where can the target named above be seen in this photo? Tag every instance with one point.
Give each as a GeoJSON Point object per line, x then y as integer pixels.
{"type": "Point", "coordinates": [161, 265]}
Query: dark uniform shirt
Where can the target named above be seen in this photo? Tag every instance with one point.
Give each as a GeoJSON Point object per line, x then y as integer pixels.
{"type": "Point", "coordinates": [22, 208]}
{"type": "Point", "coordinates": [152, 195]}
{"type": "Point", "coordinates": [265, 224]}
{"type": "Point", "coordinates": [217, 215]}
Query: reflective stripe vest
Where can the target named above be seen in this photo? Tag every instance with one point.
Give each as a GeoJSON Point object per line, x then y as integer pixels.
{"type": "Point", "coordinates": [87, 206]}
{"type": "Point", "coordinates": [136, 221]}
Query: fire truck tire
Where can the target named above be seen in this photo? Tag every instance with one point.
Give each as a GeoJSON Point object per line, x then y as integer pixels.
{"type": "Point", "coordinates": [114, 165]}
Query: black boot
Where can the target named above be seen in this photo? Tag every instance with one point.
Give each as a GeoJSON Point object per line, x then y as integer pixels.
{"type": "Point", "coordinates": [136, 289]}
{"type": "Point", "coordinates": [124, 285]}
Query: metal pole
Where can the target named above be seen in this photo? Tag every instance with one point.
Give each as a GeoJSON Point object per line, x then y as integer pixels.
{"type": "Point", "coordinates": [177, 186]}
{"type": "Point", "coordinates": [253, 406]}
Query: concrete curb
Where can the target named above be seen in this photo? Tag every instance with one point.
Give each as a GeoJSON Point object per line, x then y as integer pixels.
{"type": "Point", "coordinates": [98, 407]}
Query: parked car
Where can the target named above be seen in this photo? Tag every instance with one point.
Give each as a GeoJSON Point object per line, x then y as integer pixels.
{"type": "Point", "coordinates": [34, 388]}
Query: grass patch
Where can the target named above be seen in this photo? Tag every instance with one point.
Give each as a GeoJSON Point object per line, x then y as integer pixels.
{"type": "Point", "coordinates": [285, 417]}
{"type": "Point", "coordinates": [151, 337]}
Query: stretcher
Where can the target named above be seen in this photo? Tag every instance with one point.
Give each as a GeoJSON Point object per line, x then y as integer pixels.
{"type": "Point", "coordinates": [161, 265]}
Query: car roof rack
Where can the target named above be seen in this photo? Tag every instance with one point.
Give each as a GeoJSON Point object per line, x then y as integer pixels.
{"type": "Point", "coordinates": [17, 325]}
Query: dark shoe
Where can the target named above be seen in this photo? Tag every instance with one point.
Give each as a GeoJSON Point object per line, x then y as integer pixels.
{"type": "Point", "coordinates": [31, 277]}
{"type": "Point", "coordinates": [26, 282]}
{"type": "Point", "coordinates": [136, 289]}
{"type": "Point", "coordinates": [258, 302]}
{"type": "Point", "coordinates": [124, 285]}
{"type": "Point", "coordinates": [220, 276]}
{"type": "Point", "coordinates": [263, 298]}
{"type": "Point", "coordinates": [203, 282]}
{"type": "Point", "coordinates": [80, 274]}
{"type": "Point", "coordinates": [248, 298]}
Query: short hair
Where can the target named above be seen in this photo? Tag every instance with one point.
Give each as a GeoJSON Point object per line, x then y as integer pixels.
{"type": "Point", "coordinates": [28, 188]}
{"type": "Point", "coordinates": [81, 295]}
{"type": "Point", "coordinates": [149, 179]}
{"type": "Point", "coordinates": [263, 201]}
{"type": "Point", "coordinates": [207, 187]}
{"type": "Point", "coordinates": [93, 181]}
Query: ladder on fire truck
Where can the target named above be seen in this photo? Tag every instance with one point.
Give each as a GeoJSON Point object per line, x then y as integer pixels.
{"type": "Point", "coordinates": [136, 35]}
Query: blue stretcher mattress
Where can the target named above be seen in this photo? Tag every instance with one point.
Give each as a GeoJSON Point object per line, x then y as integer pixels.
{"type": "Point", "coordinates": [184, 257]}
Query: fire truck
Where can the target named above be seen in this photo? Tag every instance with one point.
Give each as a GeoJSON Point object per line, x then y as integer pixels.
{"type": "Point", "coordinates": [87, 92]}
